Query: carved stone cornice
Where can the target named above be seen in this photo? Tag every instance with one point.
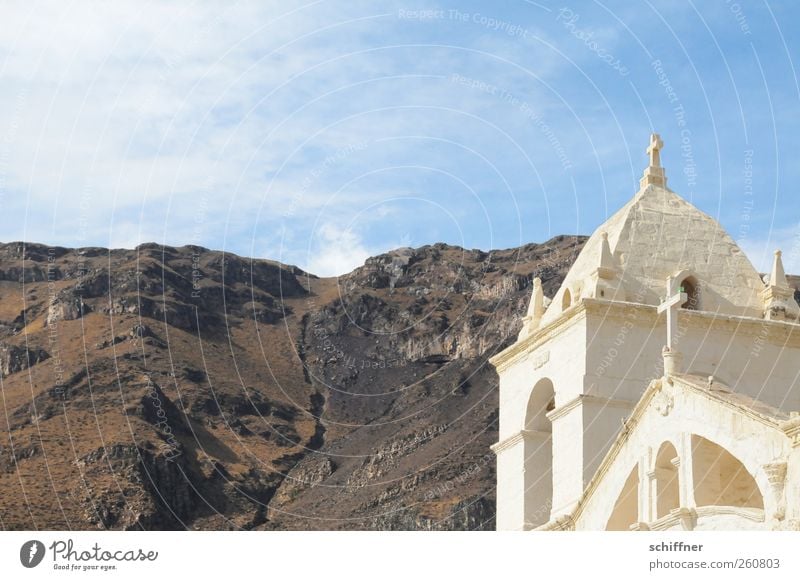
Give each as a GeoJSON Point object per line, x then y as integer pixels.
{"type": "Point", "coordinates": [563, 523]}
{"type": "Point", "coordinates": [791, 427]}
{"type": "Point", "coordinates": [520, 350]}
{"type": "Point", "coordinates": [779, 332]}
{"type": "Point", "coordinates": [718, 398]}
{"type": "Point", "coordinates": [529, 435]}
{"type": "Point", "coordinates": [685, 517]}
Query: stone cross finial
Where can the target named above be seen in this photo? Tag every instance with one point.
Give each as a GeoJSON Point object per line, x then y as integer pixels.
{"type": "Point", "coordinates": [654, 150]}
{"type": "Point", "coordinates": [654, 173]}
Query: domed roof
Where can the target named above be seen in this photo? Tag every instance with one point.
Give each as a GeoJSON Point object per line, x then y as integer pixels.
{"type": "Point", "coordinates": [655, 236]}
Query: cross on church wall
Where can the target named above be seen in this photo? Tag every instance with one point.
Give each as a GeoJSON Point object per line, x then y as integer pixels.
{"type": "Point", "coordinates": [671, 305]}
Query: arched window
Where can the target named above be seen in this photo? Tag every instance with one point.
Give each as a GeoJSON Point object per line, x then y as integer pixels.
{"type": "Point", "coordinates": [690, 286]}
{"type": "Point", "coordinates": [721, 479]}
{"type": "Point", "coordinates": [626, 509]}
{"type": "Point", "coordinates": [667, 490]}
{"type": "Point", "coordinates": [566, 300]}
{"type": "Point", "coordinates": [539, 454]}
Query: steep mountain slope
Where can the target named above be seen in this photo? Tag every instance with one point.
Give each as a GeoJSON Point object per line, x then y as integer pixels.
{"type": "Point", "coordinates": [410, 401]}
{"type": "Point", "coordinates": [171, 388]}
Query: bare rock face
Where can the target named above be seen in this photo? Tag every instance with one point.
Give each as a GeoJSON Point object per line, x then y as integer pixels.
{"type": "Point", "coordinates": [387, 456]}
{"type": "Point", "coordinates": [149, 478]}
{"type": "Point", "coordinates": [305, 476]}
{"type": "Point", "coordinates": [200, 390]}
{"type": "Point", "coordinates": [67, 305]}
{"type": "Point", "coordinates": [410, 410]}
{"type": "Point", "coordinates": [14, 359]}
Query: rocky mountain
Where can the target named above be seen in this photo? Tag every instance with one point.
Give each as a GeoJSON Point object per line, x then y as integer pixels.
{"type": "Point", "coordinates": [172, 388]}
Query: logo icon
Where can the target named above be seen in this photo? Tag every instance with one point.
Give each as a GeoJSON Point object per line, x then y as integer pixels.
{"type": "Point", "coordinates": [31, 553]}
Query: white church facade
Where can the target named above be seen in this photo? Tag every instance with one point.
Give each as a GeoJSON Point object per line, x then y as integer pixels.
{"type": "Point", "coordinates": [658, 389]}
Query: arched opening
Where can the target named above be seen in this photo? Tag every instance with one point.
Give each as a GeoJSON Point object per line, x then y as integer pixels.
{"type": "Point", "coordinates": [566, 299]}
{"type": "Point", "coordinates": [539, 454]}
{"type": "Point", "coordinates": [666, 475]}
{"type": "Point", "coordinates": [690, 286]}
{"type": "Point", "coordinates": [626, 509]}
{"type": "Point", "coordinates": [542, 401]}
{"type": "Point", "coordinates": [721, 479]}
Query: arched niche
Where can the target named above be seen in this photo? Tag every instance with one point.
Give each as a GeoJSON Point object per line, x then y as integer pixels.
{"type": "Point", "coordinates": [566, 299]}
{"type": "Point", "coordinates": [687, 281]}
{"type": "Point", "coordinates": [692, 289]}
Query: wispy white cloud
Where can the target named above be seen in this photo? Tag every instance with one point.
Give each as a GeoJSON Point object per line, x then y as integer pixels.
{"type": "Point", "coordinates": [134, 103]}
{"type": "Point", "coordinates": [336, 251]}
{"type": "Point", "coordinates": [127, 105]}
{"type": "Point", "coordinates": [123, 121]}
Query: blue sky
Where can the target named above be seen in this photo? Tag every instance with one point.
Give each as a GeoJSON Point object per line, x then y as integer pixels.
{"type": "Point", "coordinates": [319, 133]}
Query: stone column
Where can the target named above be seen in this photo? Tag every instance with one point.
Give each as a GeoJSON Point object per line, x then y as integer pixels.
{"type": "Point", "coordinates": [686, 471]}
{"type": "Point", "coordinates": [651, 479]}
{"type": "Point", "coordinates": [644, 497]}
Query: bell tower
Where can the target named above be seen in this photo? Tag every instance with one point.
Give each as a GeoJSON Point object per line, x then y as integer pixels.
{"type": "Point", "coordinates": [659, 267]}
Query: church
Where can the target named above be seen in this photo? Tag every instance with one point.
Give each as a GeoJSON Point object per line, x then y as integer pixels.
{"type": "Point", "coordinates": [658, 389]}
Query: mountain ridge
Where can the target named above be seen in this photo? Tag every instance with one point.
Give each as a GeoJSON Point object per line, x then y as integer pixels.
{"type": "Point", "coordinates": [186, 388]}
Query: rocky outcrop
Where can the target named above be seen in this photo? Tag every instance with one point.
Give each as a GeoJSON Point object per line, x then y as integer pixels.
{"type": "Point", "coordinates": [304, 476]}
{"type": "Point", "coordinates": [472, 514]}
{"type": "Point", "coordinates": [387, 455]}
{"type": "Point", "coordinates": [160, 493]}
{"type": "Point", "coordinates": [66, 305]}
{"type": "Point", "coordinates": [401, 356]}
{"type": "Point", "coordinates": [14, 359]}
